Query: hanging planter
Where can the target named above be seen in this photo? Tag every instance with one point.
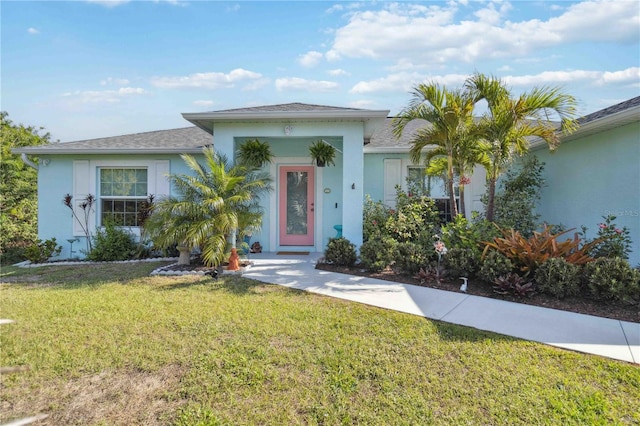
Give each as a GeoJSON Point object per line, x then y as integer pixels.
{"type": "Point", "coordinates": [322, 153]}
{"type": "Point", "coordinates": [255, 153]}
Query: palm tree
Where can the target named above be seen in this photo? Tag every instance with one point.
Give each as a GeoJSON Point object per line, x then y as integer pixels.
{"type": "Point", "coordinates": [450, 116]}
{"type": "Point", "coordinates": [467, 154]}
{"type": "Point", "coordinates": [216, 200]}
{"type": "Point", "coordinates": [510, 123]}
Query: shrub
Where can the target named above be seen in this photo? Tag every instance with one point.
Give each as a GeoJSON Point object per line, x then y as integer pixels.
{"type": "Point", "coordinates": [512, 283]}
{"type": "Point", "coordinates": [377, 254]}
{"type": "Point", "coordinates": [611, 241]}
{"type": "Point", "coordinates": [416, 220]}
{"type": "Point", "coordinates": [411, 257]}
{"type": "Point", "coordinates": [517, 196]}
{"type": "Point", "coordinates": [340, 251]}
{"type": "Point", "coordinates": [493, 265]}
{"type": "Point", "coordinates": [461, 262]}
{"type": "Point", "coordinates": [558, 277]}
{"type": "Point", "coordinates": [113, 243]}
{"type": "Point", "coordinates": [41, 251]}
{"type": "Point", "coordinates": [376, 214]}
{"type": "Point", "coordinates": [13, 252]}
{"type": "Point", "coordinates": [611, 279]}
{"type": "Point", "coordinates": [529, 253]}
{"type": "Point", "coordinates": [463, 233]}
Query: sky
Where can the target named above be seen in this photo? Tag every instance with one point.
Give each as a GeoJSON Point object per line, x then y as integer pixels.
{"type": "Point", "coordinates": [90, 69]}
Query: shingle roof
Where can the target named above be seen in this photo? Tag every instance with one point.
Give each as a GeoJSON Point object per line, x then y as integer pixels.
{"type": "Point", "coordinates": [383, 137]}
{"type": "Point", "coordinates": [186, 139]}
{"type": "Point", "coordinates": [291, 107]}
{"type": "Point", "coordinates": [622, 106]}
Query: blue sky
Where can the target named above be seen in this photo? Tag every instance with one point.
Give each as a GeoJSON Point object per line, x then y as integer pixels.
{"type": "Point", "coordinates": [88, 69]}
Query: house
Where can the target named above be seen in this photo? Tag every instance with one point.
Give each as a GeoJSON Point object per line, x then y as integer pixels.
{"type": "Point", "coordinates": [596, 172]}
{"type": "Point", "coordinates": [370, 160]}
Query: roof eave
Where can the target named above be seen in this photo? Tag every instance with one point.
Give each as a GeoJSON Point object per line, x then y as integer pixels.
{"type": "Point", "coordinates": [62, 151]}
{"type": "Point", "coordinates": [599, 125]}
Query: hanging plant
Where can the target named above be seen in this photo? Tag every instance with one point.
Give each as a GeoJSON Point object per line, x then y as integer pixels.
{"type": "Point", "coordinates": [254, 153]}
{"type": "Point", "coordinates": [322, 153]}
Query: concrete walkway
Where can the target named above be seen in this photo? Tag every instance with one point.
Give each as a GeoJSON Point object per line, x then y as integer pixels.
{"type": "Point", "coordinates": [584, 333]}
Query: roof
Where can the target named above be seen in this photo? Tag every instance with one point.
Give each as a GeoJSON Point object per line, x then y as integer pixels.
{"type": "Point", "coordinates": [384, 141]}
{"type": "Point", "coordinates": [612, 117]}
{"type": "Point", "coordinates": [291, 112]}
{"type": "Point", "coordinates": [184, 140]}
{"type": "Point", "coordinates": [614, 109]}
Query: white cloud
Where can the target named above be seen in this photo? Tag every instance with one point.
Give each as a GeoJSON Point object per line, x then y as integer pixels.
{"type": "Point", "coordinates": [102, 96]}
{"type": "Point", "coordinates": [338, 72]}
{"type": "Point", "coordinates": [310, 59]}
{"type": "Point", "coordinates": [301, 84]}
{"type": "Point", "coordinates": [114, 3]}
{"type": "Point", "coordinates": [628, 76]}
{"type": "Point", "coordinates": [114, 81]}
{"type": "Point", "coordinates": [404, 82]}
{"type": "Point", "coordinates": [108, 3]}
{"type": "Point", "coordinates": [209, 80]}
{"type": "Point", "coordinates": [622, 77]}
{"type": "Point", "coordinates": [203, 103]}
{"type": "Point", "coordinates": [431, 34]}
{"type": "Point", "coordinates": [33, 31]}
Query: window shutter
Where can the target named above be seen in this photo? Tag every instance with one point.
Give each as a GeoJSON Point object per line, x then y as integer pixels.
{"type": "Point", "coordinates": [81, 188]}
{"type": "Point", "coordinates": [392, 177]}
{"type": "Point", "coordinates": [163, 187]}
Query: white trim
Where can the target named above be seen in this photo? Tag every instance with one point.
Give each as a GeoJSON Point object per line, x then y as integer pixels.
{"type": "Point", "coordinates": [152, 185]}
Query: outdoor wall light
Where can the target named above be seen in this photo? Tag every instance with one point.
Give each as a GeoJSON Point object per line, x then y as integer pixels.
{"type": "Point", "coordinates": [353, 185]}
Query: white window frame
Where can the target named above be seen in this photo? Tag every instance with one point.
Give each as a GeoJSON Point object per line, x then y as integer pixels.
{"type": "Point", "coordinates": [101, 197]}
{"type": "Point", "coordinates": [157, 184]}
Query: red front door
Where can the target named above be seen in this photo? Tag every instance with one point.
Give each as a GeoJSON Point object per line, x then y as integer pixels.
{"type": "Point", "coordinates": [296, 202]}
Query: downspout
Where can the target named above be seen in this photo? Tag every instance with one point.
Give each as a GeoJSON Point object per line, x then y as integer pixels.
{"type": "Point", "coordinates": [28, 162]}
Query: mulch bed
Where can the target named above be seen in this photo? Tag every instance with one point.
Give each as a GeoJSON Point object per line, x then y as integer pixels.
{"type": "Point", "coordinates": [613, 310]}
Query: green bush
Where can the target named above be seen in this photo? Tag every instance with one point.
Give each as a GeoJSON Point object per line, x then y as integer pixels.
{"type": "Point", "coordinates": [415, 220]}
{"type": "Point", "coordinates": [558, 277]}
{"type": "Point", "coordinates": [377, 254]}
{"type": "Point", "coordinates": [41, 251]}
{"type": "Point", "coordinates": [14, 252]}
{"type": "Point", "coordinates": [375, 217]}
{"type": "Point", "coordinates": [517, 196]}
{"type": "Point", "coordinates": [494, 265]}
{"type": "Point", "coordinates": [611, 279]}
{"type": "Point", "coordinates": [113, 243]}
{"type": "Point", "coordinates": [411, 257]}
{"type": "Point", "coordinates": [463, 233]}
{"type": "Point", "coordinates": [613, 241]}
{"type": "Point", "coordinates": [461, 262]}
{"type": "Point", "coordinates": [340, 251]}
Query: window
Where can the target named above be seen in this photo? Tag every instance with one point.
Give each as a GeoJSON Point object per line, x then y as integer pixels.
{"type": "Point", "coordinates": [122, 194]}
{"type": "Point", "coordinates": [432, 186]}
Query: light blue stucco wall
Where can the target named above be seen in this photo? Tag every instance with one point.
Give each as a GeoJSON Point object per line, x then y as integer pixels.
{"type": "Point", "coordinates": [293, 148]}
{"type": "Point", "coordinates": [55, 180]}
{"type": "Point", "coordinates": [592, 177]}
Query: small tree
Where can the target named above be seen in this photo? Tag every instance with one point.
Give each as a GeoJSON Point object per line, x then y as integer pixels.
{"type": "Point", "coordinates": [87, 206]}
{"type": "Point", "coordinates": [216, 201]}
{"type": "Point", "coordinates": [18, 185]}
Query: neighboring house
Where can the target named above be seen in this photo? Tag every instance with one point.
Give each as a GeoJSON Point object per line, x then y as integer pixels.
{"type": "Point", "coordinates": [596, 172]}
{"type": "Point", "coordinates": [370, 160]}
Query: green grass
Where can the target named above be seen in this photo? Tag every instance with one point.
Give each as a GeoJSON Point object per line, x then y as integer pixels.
{"type": "Point", "coordinates": [110, 345]}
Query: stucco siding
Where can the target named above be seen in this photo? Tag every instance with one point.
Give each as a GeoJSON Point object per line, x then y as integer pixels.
{"type": "Point", "coordinates": [592, 177]}
{"type": "Point", "coordinates": [56, 179]}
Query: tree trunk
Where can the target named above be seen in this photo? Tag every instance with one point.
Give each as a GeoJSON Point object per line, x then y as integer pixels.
{"type": "Point", "coordinates": [185, 255]}
{"type": "Point", "coordinates": [453, 207]}
{"type": "Point", "coordinates": [491, 198]}
{"type": "Point", "coordinates": [463, 208]}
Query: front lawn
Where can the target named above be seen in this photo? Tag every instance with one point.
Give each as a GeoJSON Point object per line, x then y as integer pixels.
{"type": "Point", "coordinates": [108, 344]}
